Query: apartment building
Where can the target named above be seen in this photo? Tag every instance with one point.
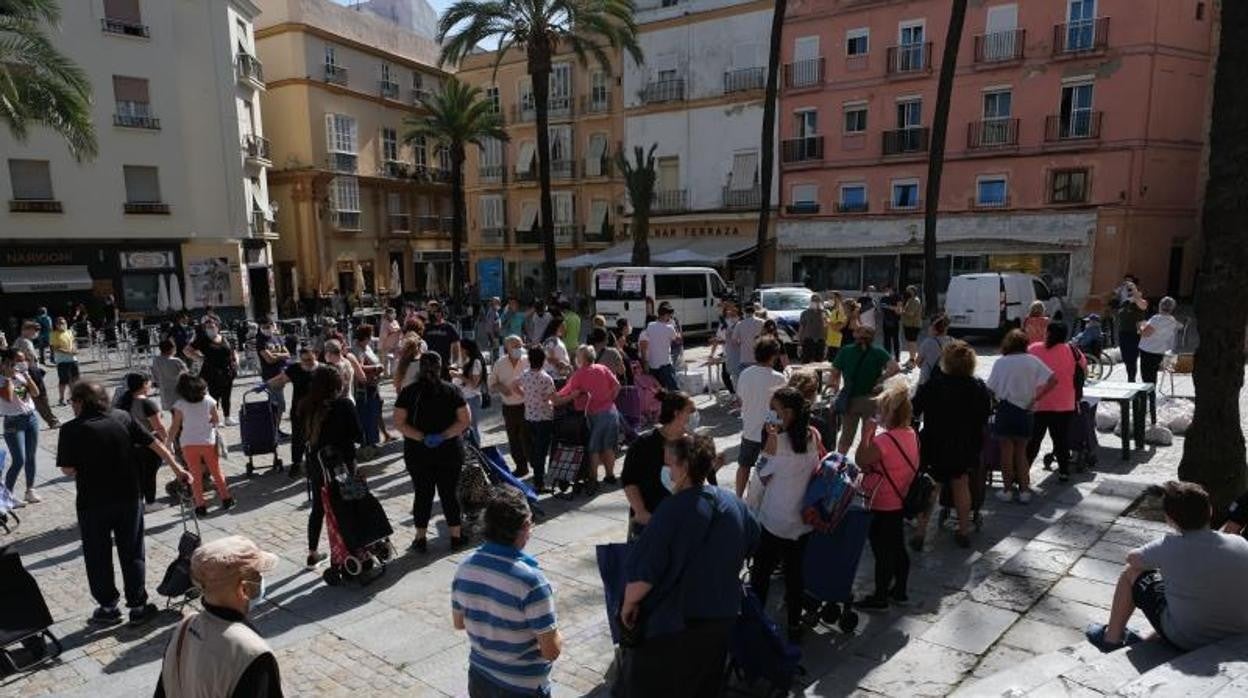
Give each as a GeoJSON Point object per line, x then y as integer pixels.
{"type": "Point", "coordinates": [174, 211]}
{"type": "Point", "coordinates": [1073, 150]}
{"type": "Point", "coordinates": [699, 97]}
{"type": "Point", "coordinates": [587, 197]}
{"type": "Point", "coordinates": [359, 210]}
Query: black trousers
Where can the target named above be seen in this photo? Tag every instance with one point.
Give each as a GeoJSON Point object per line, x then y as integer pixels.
{"type": "Point", "coordinates": [219, 388]}
{"type": "Point", "coordinates": [1057, 424]}
{"type": "Point", "coordinates": [813, 350]}
{"type": "Point", "coordinates": [1150, 365]}
{"type": "Point", "coordinates": [102, 527]}
{"type": "Point", "coordinates": [685, 663]}
{"type": "Point", "coordinates": [1129, 345]}
{"type": "Point", "coordinates": [888, 545]}
{"type": "Point", "coordinates": [892, 340]}
{"type": "Point", "coordinates": [149, 463]}
{"type": "Point", "coordinates": [297, 438]}
{"type": "Point", "coordinates": [772, 551]}
{"type": "Point", "coordinates": [432, 469]}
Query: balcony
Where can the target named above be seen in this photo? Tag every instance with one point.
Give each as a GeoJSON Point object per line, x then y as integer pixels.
{"type": "Point", "coordinates": [596, 104]}
{"type": "Point", "coordinates": [343, 162]}
{"type": "Point", "coordinates": [146, 208]}
{"type": "Point", "coordinates": [529, 175]}
{"type": "Point", "coordinates": [992, 133]}
{"type": "Point", "coordinates": [494, 236]}
{"type": "Point", "coordinates": [906, 141]}
{"type": "Point", "coordinates": [446, 225]}
{"type": "Point", "coordinates": [35, 206]}
{"type": "Point", "coordinates": [745, 80]}
{"type": "Point", "coordinates": [805, 149]}
{"type": "Point", "coordinates": [562, 169]}
{"type": "Point", "coordinates": [597, 167]}
{"type": "Point", "coordinates": [346, 220]}
{"type": "Point", "coordinates": [1076, 126]}
{"type": "Point", "coordinates": [388, 88]}
{"type": "Point", "coordinates": [256, 151]}
{"type": "Point", "coordinates": [420, 96]}
{"type": "Point", "coordinates": [802, 208]}
{"type": "Point", "coordinates": [441, 175]}
{"type": "Point", "coordinates": [909, 59]}
{"type": "Point", "coordinates": [747, 199]}
{"type": "Point", "coordinates": [904, 204]}
{"type": "Point", "coordinates": [1083, 36]}
{"type": "Point", "coordinates": [132, 120]}
{"type": "Point", "coordinates": [975, 203]}
{"type": "Point", "coordinates": [395, 169]}
{"type": "Point", "coordinates": [523, 113]}
{"type": "Point", "coordinates": [853, 207]}
{"type": "Point", "coordinates": [400, 222]}
{"type": "Point", "coordinates": [335, 74]}
{"type": "Point", "coordinates": [659, 91]}
{"type": "Point", "coordinates": [533, 236]}
{"type": "Point", "coordinates": [493, 174]}
{"type": "Point", "coordinates": [249, 71]}
{"type": "Point", "coordinates": [259, 225]}
{"type": "Point", "coordinates": [602, 236]}
{"type": "Point", "coordinates": [1000, 47]}
{"type": "Point", "coordinates": [558, 107]}
{"type": "Point", "coordinates": [670, 201]}
{"type": "Point", "coordinates": [565, 233]}
{"type": "Point", "coordinates": [805, 73]}
{"type": "Point", "coordinates": [124, 28]}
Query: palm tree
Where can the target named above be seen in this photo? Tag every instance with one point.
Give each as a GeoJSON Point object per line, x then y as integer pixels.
{"type": "Point", "coordinates": [39, 86]}
{"type": "Point", "coordinates": [770, 102]}
{"type": "Point", "coordinates": [936, 157]}
{"type": "Point", "coordinates": [1213, 448]}
{"type": "Point", "coordinates": [639, 179]}
{"type": "Point", "coordinates": [540, 28]}
{"type": "Point", "coordinates": [457, 115]}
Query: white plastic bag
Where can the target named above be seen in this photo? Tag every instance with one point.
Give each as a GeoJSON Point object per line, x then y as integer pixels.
{"type": "Point", "coordinates": [1175, 414]}
{"type": "Point", "coordinates": [1158, 435]}
{"type": "Point", "coordinates": [1107, 417]}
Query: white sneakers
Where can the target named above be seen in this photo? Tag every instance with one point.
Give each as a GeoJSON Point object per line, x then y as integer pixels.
{"type": "Point", "coordinates": [1022, 496]}
{"type": "Point", "coordinates": [231, 422]}
{"type": "Point", "coordinates": [1005, 496]}
{"type": "Point", "coordinates": [32, 497]}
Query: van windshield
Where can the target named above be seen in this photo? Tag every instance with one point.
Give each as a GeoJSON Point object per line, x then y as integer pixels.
{"type": "Point", "coordinates": [795, 299]}
{"type": "Point", "coordinates": [619, 287]}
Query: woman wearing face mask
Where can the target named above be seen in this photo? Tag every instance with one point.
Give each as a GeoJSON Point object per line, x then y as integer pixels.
{"type": "Point", "coordinates": [352, 372]}
{"type": "Point", "coordinates": [299, 375]}
{"type": "Point", "coordinates": [220, 365]}
{"type": "Point", "coordinates": [470, 377]}
{"type": "Point", "coordinates": [643, 461]}
{"type": "Point", "coordinates": [216, 652]}
{"type": "Point", "coordinates": [21, 426]}
{"type": "Point", "coordinates": [558, 364]}
{"type": "Point", "coordinates": [146, 414]}
{"type": "Point", "coordinates": [592, 389]}
{"type": "Point", "coordinates": [332, 431]}
{"type": "Point", "coordinates": [410, 350]}
{"type": "Point", "coordinates": [683, 587]}
{"type": "Point", "coordinates": [790, 455]}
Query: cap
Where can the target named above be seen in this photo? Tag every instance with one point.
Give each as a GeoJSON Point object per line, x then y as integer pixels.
{"type": "Point", "coordinates": [228, 559]}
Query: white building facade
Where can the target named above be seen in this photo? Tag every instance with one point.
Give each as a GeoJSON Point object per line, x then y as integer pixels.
{"type": "Point", "coordinates": [175, 205]}
{"type": "Point", "coordinates": [699, 97]}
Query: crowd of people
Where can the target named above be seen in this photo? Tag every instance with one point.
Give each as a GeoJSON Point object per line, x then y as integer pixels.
{"type": "Point", "coordinates": [845, 392]}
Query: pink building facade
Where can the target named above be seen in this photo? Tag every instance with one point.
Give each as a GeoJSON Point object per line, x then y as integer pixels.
{"type": "Point", "coordinates": [1074, 147]}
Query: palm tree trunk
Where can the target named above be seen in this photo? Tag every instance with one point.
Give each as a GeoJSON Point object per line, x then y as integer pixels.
{"type": "Point", "coordinates": [768, 138]}
{"type": "Point", "coordinates": [640, 227]}
{"type": "Point", "coordinates": [539, 70]}
{"type": "Point", "coordinates": [936, 158]}
{"type": "Point", "coordinates": [459, 216]}
{"type": "Point", "coordinates": [1213, 450]}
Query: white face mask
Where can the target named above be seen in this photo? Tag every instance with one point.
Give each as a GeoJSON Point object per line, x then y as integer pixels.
{"type": "Point", "coordinates": [516, 354]}
{"type": "Point", "coordinates": [665, 477]}
{"type": "Point", "coordinates": [693, 422]}
{"type": "Point", "coordinates": [211, 334]}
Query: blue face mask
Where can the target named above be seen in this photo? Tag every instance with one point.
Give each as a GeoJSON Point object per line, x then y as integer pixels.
{"type": "Point", "coordinates": [665, 477]}
{"type": "Point", "coordinates": [692, 424]}
{"type": "Point", "coordinates": [772, 418]}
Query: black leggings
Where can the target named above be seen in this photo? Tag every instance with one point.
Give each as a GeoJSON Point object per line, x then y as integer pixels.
{"type": "Point", "coordinates": [296, 439]}
{"type": "Point", "coordinates": [1129, 345]}
{"type": "Point", "coordinates": [1150, 365]}
{"type": "Point", "coordinates": [432, 469]}
{"type": "Point", "coordinates": [774, 550]}
{"type": "Point", "coordinates": [892, 340]}
{"type": "Point", "coordinates": [1057, 424]}
{"type": "Point", "coordinates": [219, 388]}
{"type": "Point", "coordinates": [888, 545]}
{"type": "Point", "coordinates": [316, 517]}
{"type": "Point", "coordinates": [149, 463]}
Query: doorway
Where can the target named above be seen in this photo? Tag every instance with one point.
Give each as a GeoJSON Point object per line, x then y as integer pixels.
{"type": "Point", "coordinates": [1174, 280]}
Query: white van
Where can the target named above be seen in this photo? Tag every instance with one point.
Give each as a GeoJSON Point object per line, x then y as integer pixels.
{"type": "Point", "coordinates": [693, 292]}
{"type": "Point", "coordinates": [994, 302]}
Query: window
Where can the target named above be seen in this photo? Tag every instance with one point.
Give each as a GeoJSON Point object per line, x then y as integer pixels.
{"type": "Point", "coordinates": [140, 292]}
{"type": "Point", "coordinates": [806, 123]}
{"type": "Point", "coordinates": [1001, 39]}
{"type": "Point", "coordinates": [442, 157]}
{"type": "Point", "coordinates": [142, 184]}
{"type": "Point", "coordinates": [905, 194]}
{"type": "Point", "coordinates": [856, 117]}
{"type": "Point", "coordinates": [562, 204]}
{"type": "Point", "coordinates": [910, 50]}
{"type": "Point", "coordinates": [525, 92]}
{"type": "Point", "coordinates": [123, 11]}
{"type": "Point", "coordinates": [668, 178]}
{"type": "Point", "coordinates": [805, 194]}
{"type": "Point", "coordinates": [598, 209]}
{"type": "Point", "coordinates": [1068, 186]}
{"type": "Point", "coordinates": [857, 42]}
{"type": "Point", "coordinates": [396, 203]}
{"type": "Point", "coordinates": [597, 155]}
{"type": "Point", "coordinates": [991, 191]}
{"type": "Point", "coordinates": [491, 152]}
{"type": "Point", "coordinates": [879, 270]}
{"type": "Point", "coordinates": [1200, 11]}
{"type": "Point", "coordinates": [389, 145]}
{"type": "Point", "coordinates": [133, 102]}
{"type": "Point", "coordinates": [1081, 25]}
{"type": "Point", "coordinates": [996, 126]}
{"type": "Point", "coordinates": [618, 287]}
{"type": "Point", "coordinates": [31, 180]}
{"type": "Point", "coordinates": [340, 133]}
{"type": "Point", "coordinates": [560, 86]}
{"type": "Point", "coordinates": [693, 286]}
{"type": "Point", "coordinates": [667, 286]}
{"type": "Point", "coordinates": [853, 197]}
{"type": "Point", "coordinates": [420, 153]}
{"type": "Point", "coordinates": [525, 157]}
{"type": "Point", "coordinates": [1076, 116]}
{"type": "Point", "coordinates": [491, 95]}
{"type": "Point", "coordinates": [528, 216]}
{"type": "Point", "coordinates": [331, 56]}
{"type": "Point", "coordinates": [830, 272]}
{"type": "Point", "coordinates": [910, 113]}
{"type": "Point", "coordinates": [910, 34]}
{"type": "Point", "coordinates": [491, 211]}
{"type": "Point", "coordinates": [805, 48]}
{"type": "Point", "coordinates": [598, 90]}
{"type": "Point", "coordinates": [560, 143]}
{"type": "Point", "coordinates": [345, 194]}
{"type": "Point", "coordinates": [385, 73]}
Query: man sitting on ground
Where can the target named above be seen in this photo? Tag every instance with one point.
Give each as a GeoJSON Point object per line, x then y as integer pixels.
{"type": "Point", "coordinates": [1203, 570]}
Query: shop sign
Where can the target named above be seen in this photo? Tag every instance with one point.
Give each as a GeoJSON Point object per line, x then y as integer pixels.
{"type": "Point", "coordinates": [147, 260]}
{"type": "Point", "coordinates": [695, 231]}
{"type": "Point", "coordinates": [37, 257]}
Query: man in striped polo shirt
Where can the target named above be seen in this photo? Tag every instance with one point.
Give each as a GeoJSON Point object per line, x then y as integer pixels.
{"type": "Point", "coordinates": [505, 603]}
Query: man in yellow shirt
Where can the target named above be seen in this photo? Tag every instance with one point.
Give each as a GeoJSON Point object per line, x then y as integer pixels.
{"type": "Point", "coordinates": [65, 354]}
{"type": "Point", "coordinates": [836, 319]}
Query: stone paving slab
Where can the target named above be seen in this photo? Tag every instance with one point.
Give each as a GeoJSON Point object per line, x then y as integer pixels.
{"type": "Point", "coordinates": [971, 627]}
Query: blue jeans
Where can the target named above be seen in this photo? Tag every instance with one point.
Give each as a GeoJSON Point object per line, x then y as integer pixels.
{"type": "Point", "coordinates": [666, 376]}
{"type": "Point", "coordinates": [368, 409]}
{"type": "Point", "coordinates": [474, 408]}
{"type": "Point", "coordinates": [21, 435]}
{"type": "Point", "coordinates": [481, 687]}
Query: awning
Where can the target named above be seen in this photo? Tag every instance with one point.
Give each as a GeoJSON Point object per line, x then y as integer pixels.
{"type": "Point", "coordinates": [42, 279]}
{"type": "Point", "coordinates": [707, 251]}
{"type": "Point", "coordinates": [1073, 229]}
{"type": "Point", "coordinates": [525, 159]}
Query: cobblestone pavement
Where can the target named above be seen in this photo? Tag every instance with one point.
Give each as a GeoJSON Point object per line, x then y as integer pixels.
{"type": "Point", "coordinates": [1035, 575]}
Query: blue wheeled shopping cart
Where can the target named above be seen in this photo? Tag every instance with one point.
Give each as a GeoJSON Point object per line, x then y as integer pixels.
{"type": "Point", "coordinates": [830, 565]}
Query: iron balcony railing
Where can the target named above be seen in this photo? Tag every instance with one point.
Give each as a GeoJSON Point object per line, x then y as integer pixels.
{"type": "Point", "coordinates": [1080, 125]}
{"type": "Point", "coordinates": [135, 115]}
{"type": "Point", "coordinates": [123, 27]}
{"type": "Point", "coordinates": [906, 140]}
{"type": "Point", "coordinates": [602, 236]}
{"type": "Point", "coordinates": [494, 236]}
{"type": "Point", "coordinates": [596, 104]}
{"type": "Point", "coordinates": [250, 69]}
{"type": "Point", "coordinates": [1000, 46]}
{"type": "Point", "coordinates": [419, 95]}
{"type": "Point", "coordinates": [400, 222]}
{"type": "Point", "coordinates": [804, 149]}
{"type": "Point", "coordinates": [346, 220]}
{"type": "Point", "coordinates": [910, 58]}
{"type": "Point", "coordinates": [992, 133]}
{"type": "Point", "coordinates": [565, 233]}
{"type": "Point", "coordinates": [903, 205]}
{"type": "Point", "coordinates": [532, 236]}
{"type": "Point", "coordinates": [804, 73]}
{"type": "Point", "coordinates": [745, 79]}
{"type": "Point", "coordinates": [562, 169]}
{"type": "Point", "coordinates": [389, 89]}
{"type": "Point", "coordinates": [802, 208]}
{"type": "Point", "coordinates": [670, 201]}
{"type": "Point", "coordinates": [35, 206]}
{"type": "Point", "coordinates": [523, 113]}
{"type": "Point", "coordinates": [743, 198]}
{"type": "Point", "coordinates": [259, 224]}
{"type": "Point", "coordinates": [343, 162]}
{"type": "Point", "coordinates": [146, 208]}
{"type": "Point", "coordinates": [559, 106]}
{"type": "Point", "coordinates": [657, 91]}
{"type": "Point", "coordinates": [257, 149]}
{"type": "Point", "coordinates": [1082, 36]}
{"type": "Point", "coordinates": [1003, 202]}
{"type": "Point", "coordinates": [853, 207]}
{"type": "Point", "coordinates": [492, 173]}
{"type": "Point", "coordinates": [597, 167]}
{"type": "Point", "coordinates": [336, 74]}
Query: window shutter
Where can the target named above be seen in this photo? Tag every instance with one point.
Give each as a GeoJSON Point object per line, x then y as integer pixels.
{"type": "Point", "coordinates": [31, 180]}
{"type": "Point", "coordinates": [127, 89]}
{"type": "Point", "coordinates": [528, 215]}
{"type": "Point", "coordinates": [744, 170]}
{"type": "Point", "coordinates": [124, 10]}
{"type": "Point", "coordinates": [329, 132]}
{"type": "Point", "coordinates": [597, 215]}
{"type": "Point", "coordinates": [525, 161]}
{"type": "Point", "coordinates": [142, 184]}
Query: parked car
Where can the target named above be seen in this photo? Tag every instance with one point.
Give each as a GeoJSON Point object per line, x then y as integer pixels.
{"type": "Point", "coordinates": [995, 302]}
{"type": "Point", "coordinates": [693, 292]}
{"type": "Point", "coordinates": [784, 303]}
